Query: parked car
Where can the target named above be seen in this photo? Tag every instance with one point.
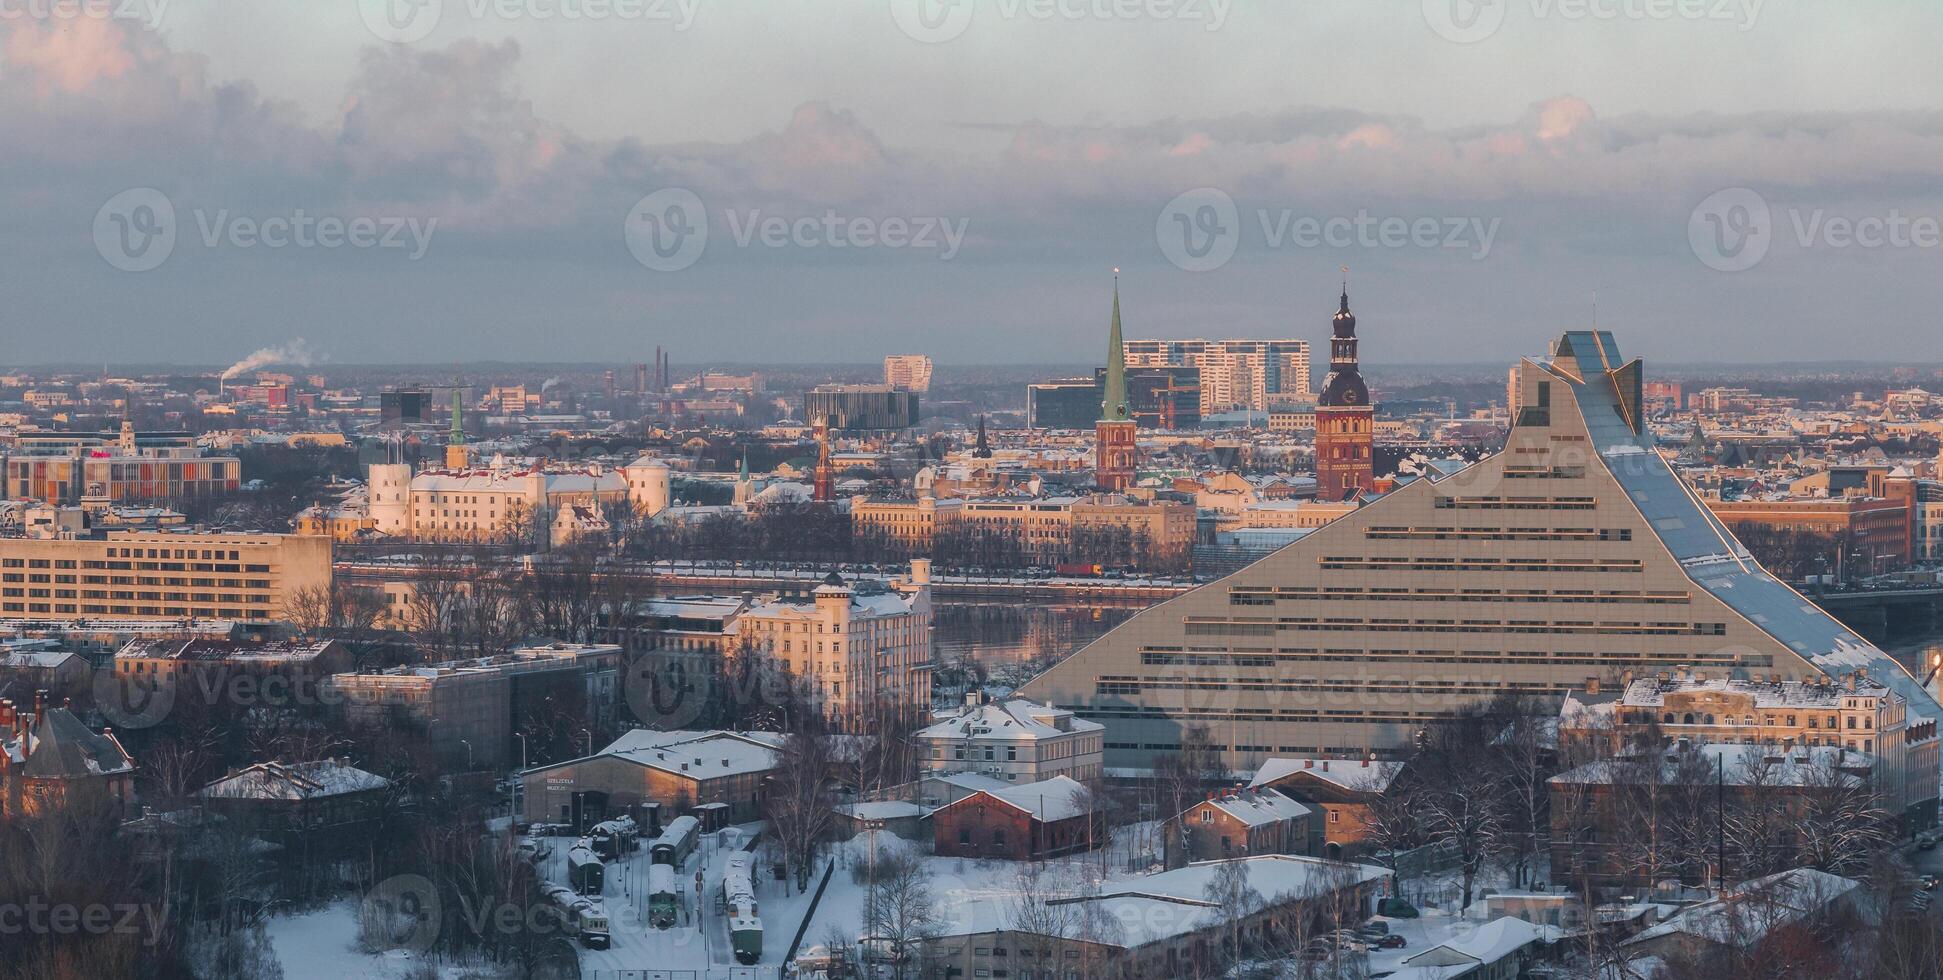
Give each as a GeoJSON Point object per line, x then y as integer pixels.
{"type": "Point", "coordinates": [1396, 908]}
{"type": "Point", "coordinates": [1389, 942]}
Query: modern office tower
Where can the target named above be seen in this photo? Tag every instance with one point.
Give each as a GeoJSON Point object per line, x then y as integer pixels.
{"type": "Point", "coordinates": [1345, 423]}
{"type": "Point", "coordinates": [1573, 555]}
{"type": "Point", "coordinates": [1063, 403]}
{"type": "Point", "coordinates": [908, 372]}
{"type": "Point", "coordinates": [1116, 451]}
{"type": "Point", "coordinates": [859, 408]}
{"type": "Point", "coordinates": [1235, 375]}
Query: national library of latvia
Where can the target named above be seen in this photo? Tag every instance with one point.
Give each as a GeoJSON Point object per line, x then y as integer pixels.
{"type": "Point", "coordinates": [1568, 559]}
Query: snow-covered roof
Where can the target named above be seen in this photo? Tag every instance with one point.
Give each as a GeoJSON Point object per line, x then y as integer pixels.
{"type": "Point", "coordinates": [293, 781]}
{"type": "Point", "coordinates": [1491, 943]}
{"type": "Point", "coordinates": [1257, 808]}
{"type": "Point", "coordinates": [1746, 913]}
{"type": "Point", "coordinates": [1738, 764]}
{"type": "Point", "coordinates": [1651, 692]}
{"type": "Point", "coordinates": [881, 810]}
{"type": "Point", "coordinates": [1048, 800]}
{"type": "Point", "coordinates": [1009, 719]}
{"type": "Point", "coordinates": [1360, 775]}
{"type": "Point", "coordinates": [1147, 908]}
{"type": "Point", "coordinates": [697, 755]}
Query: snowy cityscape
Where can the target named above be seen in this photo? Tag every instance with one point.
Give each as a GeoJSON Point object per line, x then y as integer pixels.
{"type": "Point", "coordinates": [964, 490]}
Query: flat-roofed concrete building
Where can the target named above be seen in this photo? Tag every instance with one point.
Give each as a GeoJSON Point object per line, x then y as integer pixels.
{"type": "Point", "coordinates": [469, 709]}
{"type": "Point", "coordinates": [1573, 554]}
{"type": "Point", "coordinates": [159, 575]}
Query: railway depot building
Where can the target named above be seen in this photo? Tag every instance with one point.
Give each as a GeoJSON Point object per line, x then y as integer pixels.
{"type": "Point", "coordinates": [1569, 557]}
{"type": "Point", "coordinates": [718, 773]}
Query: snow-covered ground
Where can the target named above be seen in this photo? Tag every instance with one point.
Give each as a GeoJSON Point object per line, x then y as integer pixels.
{"type": "Point", "coordinates": [323, 945]}
{"type": "Point", "coordinates": [700, 939]}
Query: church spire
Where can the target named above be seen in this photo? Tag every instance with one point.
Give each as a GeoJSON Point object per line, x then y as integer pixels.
{"type": "Point", "coordinates": [1113, 403]}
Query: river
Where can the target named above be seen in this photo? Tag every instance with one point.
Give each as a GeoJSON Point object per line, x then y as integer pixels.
{"type": "Point", "coordinates": [998, 634]}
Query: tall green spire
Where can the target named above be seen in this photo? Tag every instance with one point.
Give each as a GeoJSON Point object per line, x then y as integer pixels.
{"type": "Point", "coordinates": [458, 436]}
{"type": "Point", "coordinates": [1113, 404]}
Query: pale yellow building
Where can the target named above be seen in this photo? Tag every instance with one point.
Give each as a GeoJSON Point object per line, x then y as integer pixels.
{"type": "Point", "coordinates": [1573, 555]}
{"type": "Point", "coordinates": [850, 649]}
{"type": "Point", "coordinates": [160, 575]}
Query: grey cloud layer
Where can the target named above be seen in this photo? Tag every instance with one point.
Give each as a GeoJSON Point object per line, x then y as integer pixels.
{"type": "Point", "coordinates": [529, 256]}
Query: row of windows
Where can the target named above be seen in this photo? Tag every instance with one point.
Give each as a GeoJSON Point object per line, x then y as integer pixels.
{"type": "Point", "coordinates": [1500, 533]}
{"type": "Point", "coordinates": [1291, 655]}
{"type": "Point", "coordinates": [1515, 503]}
{"type": "Point", "coordinates": [1566, 565]}
{"type": "Point", "coordinates": [1609, 596]}
{"type": "Point", "coordinates": [1344, 625]}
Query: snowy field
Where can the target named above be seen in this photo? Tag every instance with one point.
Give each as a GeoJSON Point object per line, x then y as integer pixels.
{"type": "Point", "coordinates": [323, 945]}
{"type": "Point", "coordinates": [699, 940]}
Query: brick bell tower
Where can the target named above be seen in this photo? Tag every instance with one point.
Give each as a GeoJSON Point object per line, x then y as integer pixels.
{"type": "Point", "coordinates": [1115, 451]}
{"type": "Point", "coordinates": [1345, 422]}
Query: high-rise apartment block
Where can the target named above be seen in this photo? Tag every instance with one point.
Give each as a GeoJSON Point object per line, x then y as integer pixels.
{"type": "Point", "coordinates": [1235, 375]}
{"type": "Point", "coordinates": [908, 372]}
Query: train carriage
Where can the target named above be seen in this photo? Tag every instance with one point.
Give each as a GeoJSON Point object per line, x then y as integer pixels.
{"type": "Point", "coordinates": [676, 842]}
{"type": "Point", "coordinates": [664, 901]}
{"type": "Point", "coordinates": [585, 872]}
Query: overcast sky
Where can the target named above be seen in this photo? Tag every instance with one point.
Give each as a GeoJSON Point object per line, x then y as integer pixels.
{"type": "Point", "coordinates": [789, 180]}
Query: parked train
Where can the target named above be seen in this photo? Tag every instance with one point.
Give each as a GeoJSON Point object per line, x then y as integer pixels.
{"type": "Point", "coordinates": [577, 916]}
{"type": "Point", "coordinates": [739, 901]}
{"type": "Point", "coordinates": [585, 872]}
{"type": "Point", "coordinates": [676, 842]}
{"type": "Point", "coordinates": [664, 901]}
{"type": "Point", "coordinates": [613, 838]}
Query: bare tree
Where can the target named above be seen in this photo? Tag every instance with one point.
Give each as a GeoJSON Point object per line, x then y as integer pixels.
{"type": "Point", "coordinates": [1234, 899]}
{"type": "Point", "coordinates": [898, 909]}
{"type": "Point", "coordinates": [799, 806]}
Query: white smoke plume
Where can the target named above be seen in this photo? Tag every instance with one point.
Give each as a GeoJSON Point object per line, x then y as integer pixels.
{"type": "Point", "coordinates": [548, 383]}
{"type": "Point", "coordinates": [296, 354]}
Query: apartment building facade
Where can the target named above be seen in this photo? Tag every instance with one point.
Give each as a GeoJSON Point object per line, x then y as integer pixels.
{"type": "Point", "coordinates": [132, 575]}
